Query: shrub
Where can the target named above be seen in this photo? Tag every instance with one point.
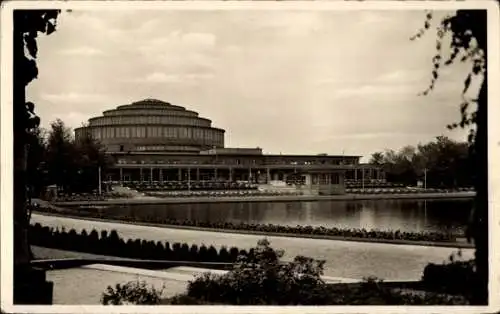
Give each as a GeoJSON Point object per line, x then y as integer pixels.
{"type": "Point", "coordinates": [262, 279]}
{"type": "Point", "coordinates": [456, 277]}
{"type": "Point", "coordinates": [133, 292]}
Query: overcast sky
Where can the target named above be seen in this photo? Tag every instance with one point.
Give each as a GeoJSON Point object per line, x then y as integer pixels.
{"type": "Point", "coordinates": [287, 81]}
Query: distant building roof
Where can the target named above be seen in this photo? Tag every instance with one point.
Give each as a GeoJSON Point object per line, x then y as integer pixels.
{"type": "Point", "coordinates": [232, 151]}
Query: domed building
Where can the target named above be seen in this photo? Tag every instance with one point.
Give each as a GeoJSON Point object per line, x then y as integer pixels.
{"type": "Point", "coordinates": [154, 126]}
{"type": "Point", "coordinates": [154, 141]}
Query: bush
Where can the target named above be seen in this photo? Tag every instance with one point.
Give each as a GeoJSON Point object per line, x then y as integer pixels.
{"type": "Point", "coordinates": [455, 277]}
{"type": "Point", "coordinates": [262, 279]}
{"type": "Point", "coordinates": [137, 293]}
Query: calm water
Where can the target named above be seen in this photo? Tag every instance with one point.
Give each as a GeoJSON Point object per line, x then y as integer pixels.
{"type": "Point", "coordinates": [405, 215]}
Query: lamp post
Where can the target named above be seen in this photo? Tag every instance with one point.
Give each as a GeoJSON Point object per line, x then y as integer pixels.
{"type": "Point", "coordinates": [363, 178]}
{"type": "Point", "coordinates": [99, 173]}
{"type": "Point", "coordinates": [425, 178]}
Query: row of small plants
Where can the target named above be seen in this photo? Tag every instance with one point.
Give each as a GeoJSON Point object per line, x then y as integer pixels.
{"type": "Point", "coordinates": [221, 193]}
{"type": "Point", "coordinates": [402, 190]}
{"type": "Point", "coordinates": [184, 185]}
{"type": "Point", "coordinates": [91, 197]}
{"type": "Point", "coordinates": [270, 228]}
{"type": "Point", "coordinates": [368, 184]}
{"type": "Point", "coordinates": [109, 243]}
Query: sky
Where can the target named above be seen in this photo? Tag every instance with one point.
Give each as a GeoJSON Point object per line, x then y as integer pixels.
{"type": "Point", "coordinates": [291, 82]}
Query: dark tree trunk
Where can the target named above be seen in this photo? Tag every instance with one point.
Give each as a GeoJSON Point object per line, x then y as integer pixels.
{"type": "Point", "coordinates": [21, 247]}
{"type": "Point", "coordinates": [30, 285]}
{"type": "Point", "coordinates": [480, 217]}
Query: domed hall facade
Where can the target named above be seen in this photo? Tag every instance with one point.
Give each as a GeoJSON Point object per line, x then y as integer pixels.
{"type": "Point", "coordinates": [154, 141]}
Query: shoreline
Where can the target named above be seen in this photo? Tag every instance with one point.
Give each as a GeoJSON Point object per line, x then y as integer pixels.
{"type": "Point", "coordinates": [457, 245]}
{"type": "Point", "coordinates": [284, 198]}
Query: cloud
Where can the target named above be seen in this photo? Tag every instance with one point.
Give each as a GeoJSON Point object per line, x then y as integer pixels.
{"type": "Point", "coordinates": [378, 135]}
{"type": "Point", "coordinates": [177, 41]}
{"type": "Point", "coordinates": [160, 77]}
{"type": "Point", "coordinates": [82, 51]}
{"type": "Point", "coordinates": [291, 23]}
{"type": "Point", "coordinates": [374, 17]}
{"type": "Point", "coordinates": [199, 39]}
{"type": "Point", "coordinates": [375, 90]}
{"type": "Point", "coordinates": [75, 98]}
{"type": "Point", "coordinates": [403, 75]}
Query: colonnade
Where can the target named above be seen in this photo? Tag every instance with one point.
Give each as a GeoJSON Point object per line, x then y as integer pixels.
{"type": "Point", "coordinates": [256, 175]}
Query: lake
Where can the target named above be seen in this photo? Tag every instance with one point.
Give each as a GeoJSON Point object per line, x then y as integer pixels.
{"type": "Point", "coordinates": [405, 215]}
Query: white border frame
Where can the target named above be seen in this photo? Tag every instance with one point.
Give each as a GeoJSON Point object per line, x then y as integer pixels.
{"type": "Point", "coordinates": [7, 145]}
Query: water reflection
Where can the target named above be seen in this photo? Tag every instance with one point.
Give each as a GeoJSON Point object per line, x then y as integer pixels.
{"type": "Point", "coordinates": [406, 215]}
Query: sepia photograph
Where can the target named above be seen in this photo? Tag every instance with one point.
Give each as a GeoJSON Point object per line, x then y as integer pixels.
{"type": "Point", "coordinates": [200, 154]}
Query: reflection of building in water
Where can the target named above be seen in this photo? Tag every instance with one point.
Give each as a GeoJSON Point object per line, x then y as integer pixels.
{"type": "Point", "coordinates": [421, 219]}
{"type": "Point", "coordinates": [155, 141]}
{"type": "Point", "coordinates": [308, 212]}
{"type": "Point", "coordinates": [367, 218]}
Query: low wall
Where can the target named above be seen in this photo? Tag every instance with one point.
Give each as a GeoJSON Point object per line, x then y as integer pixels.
{"type": "Point", "coordinates": [284, 198]}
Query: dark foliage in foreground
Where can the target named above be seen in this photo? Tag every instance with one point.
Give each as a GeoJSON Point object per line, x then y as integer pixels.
{"type": "Point", "coordinates": [297, 230]}
{"type": "Point", "coordinates": [137, 293]}
{"type": "Point", "coordinates": [455, 277]}
{"type": "Point", "coordinates": [111, 244]}
{"type": "Point", "coordinates": [261, 278]}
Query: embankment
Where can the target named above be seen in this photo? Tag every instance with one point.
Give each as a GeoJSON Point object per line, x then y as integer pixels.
{"type": "Point", "coordinates": [284, 198]}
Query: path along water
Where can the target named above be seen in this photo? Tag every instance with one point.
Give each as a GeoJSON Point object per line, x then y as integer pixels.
{"type": "Point", "coordinates": [343, 259]}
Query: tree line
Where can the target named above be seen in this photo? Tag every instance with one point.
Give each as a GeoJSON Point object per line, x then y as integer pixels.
{"type": "Point", "coordinates": [442, 163]}
{"type": "Point", "coordinates": [55, 157]}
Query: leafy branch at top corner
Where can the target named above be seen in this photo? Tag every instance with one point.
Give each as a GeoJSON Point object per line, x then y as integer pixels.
{"type": "Point", "coordinates": [467, 30]}
{"type": "Point", "coordinates": [27, 25]}
{"type": "Point", "coordinates": [31, 22]}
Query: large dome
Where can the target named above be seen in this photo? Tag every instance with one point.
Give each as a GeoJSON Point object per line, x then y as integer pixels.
{"type": "Point", "coordinates": [153, 125]}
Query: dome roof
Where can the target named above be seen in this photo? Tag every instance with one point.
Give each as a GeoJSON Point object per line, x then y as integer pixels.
{"type": "Point", "coordinates": [155, 123]}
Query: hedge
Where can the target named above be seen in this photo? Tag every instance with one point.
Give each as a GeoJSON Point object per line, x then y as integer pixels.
{"type": "Point", "coordinates": [110, 243]}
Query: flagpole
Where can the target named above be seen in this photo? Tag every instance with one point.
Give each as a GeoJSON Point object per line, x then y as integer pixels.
{"type": "Point", "coordinates": [425, 178]}
{"type": "Point", "coordinates": [363, 178]}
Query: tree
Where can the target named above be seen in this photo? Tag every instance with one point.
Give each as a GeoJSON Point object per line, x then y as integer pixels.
{"type": "Point", "coordinates": [61, 155]}
{"type": "Point", "coordinates": [27, 25]}
{"type": "Point", "coordinates": [73, 164]}
{"type": "Point", "coordinates": [90, 157]}
{"type": "Point", "coordinates": [377, 159]}
{"type": "Point", "coordinates": [468, 31]}
{"type": "Point", "coordinates": [36, 154]}
{"type": "Point", "coordinates": [446, 162]}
